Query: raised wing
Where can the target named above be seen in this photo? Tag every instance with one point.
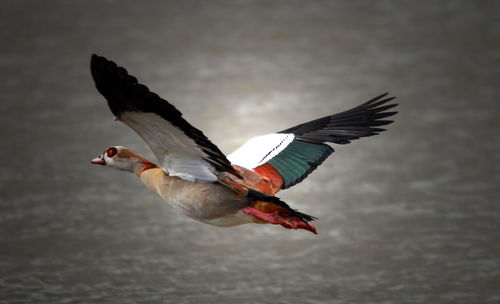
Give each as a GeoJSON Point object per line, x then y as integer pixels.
{"type": "Point", "coordinates": [343, 127]}
{"type": "Point", "coordinates": [181, 149]}
{"type": "Point", "coordinates": [295, 152]}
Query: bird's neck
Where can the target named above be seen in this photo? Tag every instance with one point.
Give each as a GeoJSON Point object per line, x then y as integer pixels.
{"type": "Point", "coordinates": [155, 179]}
{"type": "Point", "coordinates": [143, 165]}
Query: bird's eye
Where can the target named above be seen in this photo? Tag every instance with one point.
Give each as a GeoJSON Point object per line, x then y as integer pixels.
{"type": "Point", "coordinates": [111, 152]}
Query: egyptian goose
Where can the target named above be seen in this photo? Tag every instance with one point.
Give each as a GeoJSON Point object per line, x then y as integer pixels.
{"type": "Point", "coordinates": [198, 180]}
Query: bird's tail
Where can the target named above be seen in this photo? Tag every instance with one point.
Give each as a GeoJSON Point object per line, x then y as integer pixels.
{"type": "Point", "coordinates": [270, 209]}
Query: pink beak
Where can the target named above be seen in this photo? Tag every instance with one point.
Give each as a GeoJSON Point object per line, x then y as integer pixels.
{"type": "Point", "coordinates": [98, 160]}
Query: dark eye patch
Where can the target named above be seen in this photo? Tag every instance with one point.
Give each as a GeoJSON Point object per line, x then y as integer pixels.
{"type": "Point", "coordinates": [110, 152]}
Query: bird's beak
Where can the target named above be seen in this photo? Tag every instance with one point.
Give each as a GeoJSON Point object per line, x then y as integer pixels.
{"type": "Point", "coordinates": [99, 160]}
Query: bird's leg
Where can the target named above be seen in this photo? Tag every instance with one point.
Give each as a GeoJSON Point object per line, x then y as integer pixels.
{"type": "Point", "coordinates": [279, 217]}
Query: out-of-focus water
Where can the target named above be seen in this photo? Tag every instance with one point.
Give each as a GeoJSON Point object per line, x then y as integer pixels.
{"type": "Point", "coordinates": [409, 216]}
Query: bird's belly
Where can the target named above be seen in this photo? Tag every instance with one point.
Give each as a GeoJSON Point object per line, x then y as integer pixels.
{"type": "Point", "coordinates": [229, 220]}
{"type": "Point", "coordinates": [211, 203]}
{"type": "Point", "coordinates": [206, 202]}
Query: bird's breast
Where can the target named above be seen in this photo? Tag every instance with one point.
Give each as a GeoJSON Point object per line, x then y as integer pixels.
{"type": "Point", "coordinates": [206, 202]}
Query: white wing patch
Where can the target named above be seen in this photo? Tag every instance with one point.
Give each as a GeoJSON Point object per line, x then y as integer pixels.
{"type": "Point", "coordinates": [178, 154]}
{"type": "Point", "coordinates": [259, 150]}
{"type": "Point", "coordinates": [188, 167]}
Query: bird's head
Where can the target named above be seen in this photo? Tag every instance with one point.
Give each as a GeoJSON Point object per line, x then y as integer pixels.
{"type": "Point", "coordinates": [120, 158]}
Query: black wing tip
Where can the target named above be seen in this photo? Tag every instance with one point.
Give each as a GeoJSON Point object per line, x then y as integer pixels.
{"type": "Point", "coordinates": [94, 58]}
{"type": "Point", "coordinates": [357, 122]}
{"type": "Point", "coordinates": [109, 79]}
{"type": "Point", "coordinates": [102, 69]}
{"type": "Point", "coordinates": [378, 97]}
{"type": "Point", "coordinates": [105, 71]}
{"type": "Point", "coordinates": [377, 102]}
{"type": "Point", "coordinates": [97, 62]}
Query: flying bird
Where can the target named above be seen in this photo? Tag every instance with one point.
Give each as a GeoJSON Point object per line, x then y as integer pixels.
{"type": "Point", "coordinates": [198, 180]}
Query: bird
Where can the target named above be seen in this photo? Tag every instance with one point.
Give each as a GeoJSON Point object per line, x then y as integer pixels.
{"type": "Point", "coordinates": [198, 180]}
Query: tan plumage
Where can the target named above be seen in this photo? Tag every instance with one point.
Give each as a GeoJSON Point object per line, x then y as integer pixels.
{"type": "Point", "coordinates": [206, 202]}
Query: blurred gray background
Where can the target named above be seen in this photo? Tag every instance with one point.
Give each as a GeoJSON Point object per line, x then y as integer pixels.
{"type": "Point", "coordinates": [408, 216]}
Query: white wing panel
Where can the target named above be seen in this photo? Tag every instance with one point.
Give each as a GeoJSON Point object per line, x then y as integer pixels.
{"type": "Point", "coordinates": [260, 149]}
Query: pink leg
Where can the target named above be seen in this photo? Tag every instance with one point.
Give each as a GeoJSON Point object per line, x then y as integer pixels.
{"type": "Point", "coordinates": [286, 220]}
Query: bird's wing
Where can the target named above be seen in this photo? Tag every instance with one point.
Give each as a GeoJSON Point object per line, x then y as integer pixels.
{"type": "Point", "coordinates": [181, 149]}
{"type": "Point", "coordinates": [295, 152]}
